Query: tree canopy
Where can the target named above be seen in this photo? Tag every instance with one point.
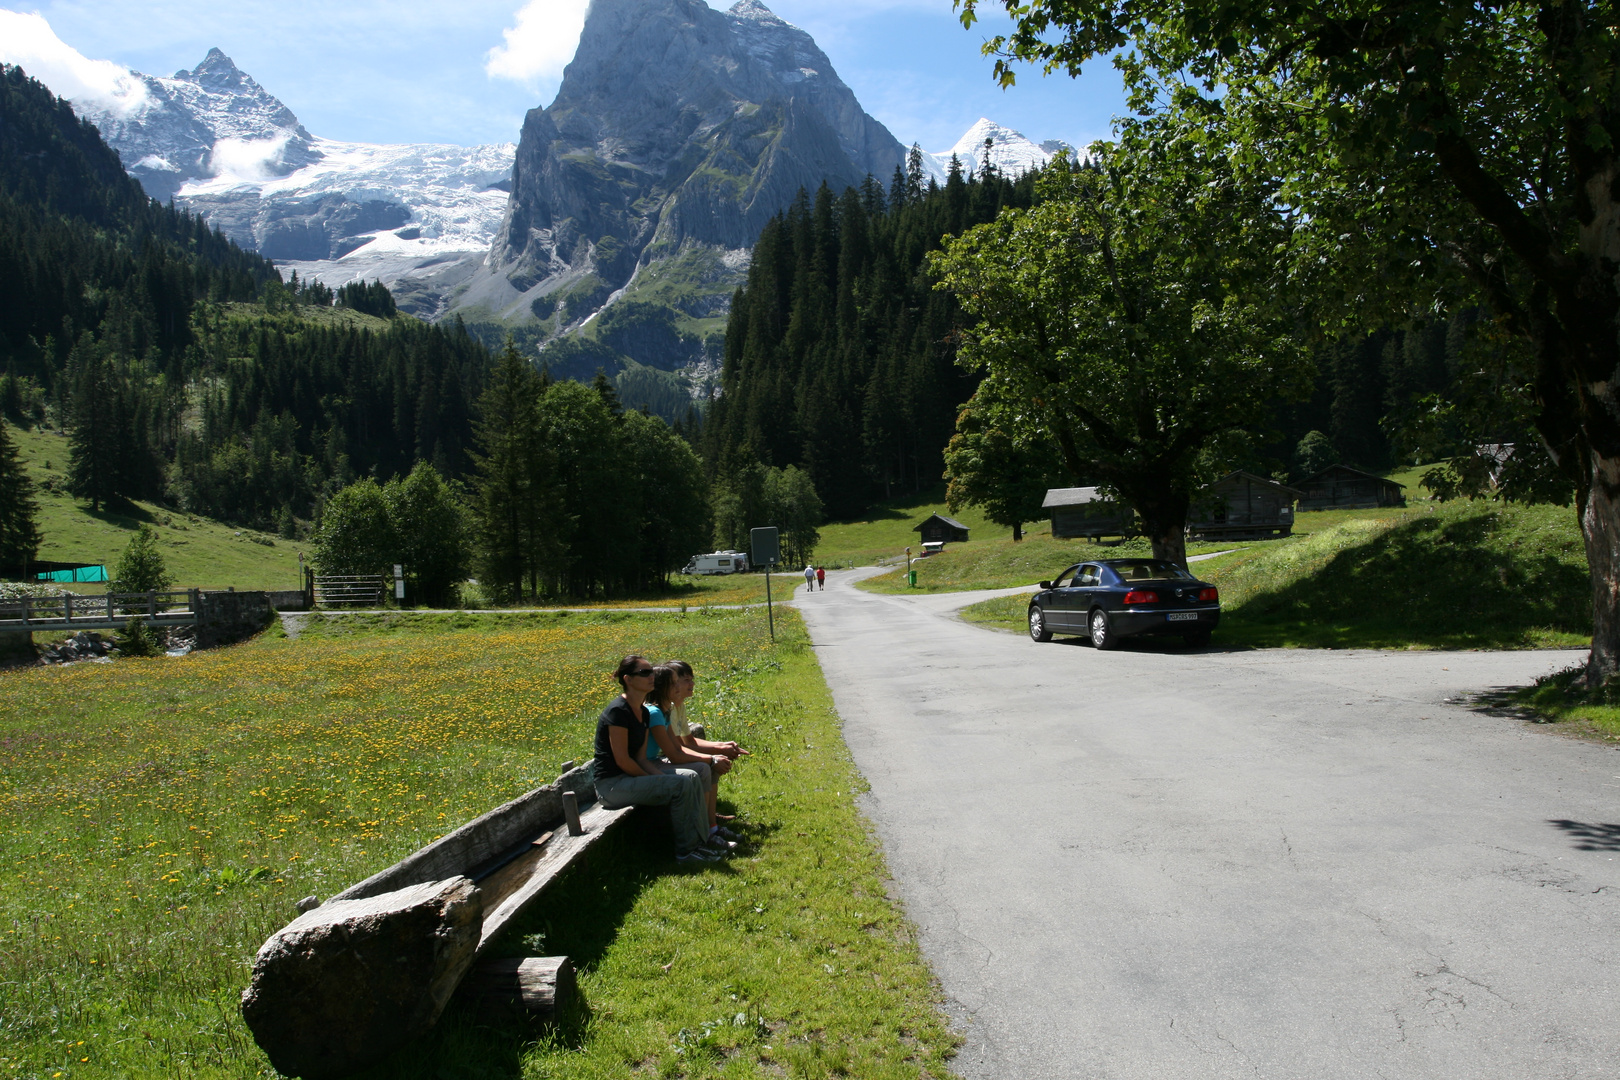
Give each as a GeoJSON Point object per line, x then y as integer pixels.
{"type": "Point", "coordinates": [1137, 315]}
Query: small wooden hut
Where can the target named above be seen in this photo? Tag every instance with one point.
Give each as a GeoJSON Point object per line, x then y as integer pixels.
{"type": "Point", "coordinates": [1080, 511]}
{"type": "Point", "coordinates": [940, 529]}
{"type": "Point", "coordinates": [1339, 487]}
{"type": "Point", "coordinates": [1242, 506]}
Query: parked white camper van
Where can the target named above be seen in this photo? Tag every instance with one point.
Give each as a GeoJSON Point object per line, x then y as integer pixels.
{"type": "Point", "coordinates": [718, 562]}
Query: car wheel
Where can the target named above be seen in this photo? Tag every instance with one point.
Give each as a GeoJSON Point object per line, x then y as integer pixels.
{"type": "Point", "coordinates": [1037, 624]}
{"type": "Point", "coordinates": [1102, 631]}
{"type": "Point", "coordinates": [1196, 640]}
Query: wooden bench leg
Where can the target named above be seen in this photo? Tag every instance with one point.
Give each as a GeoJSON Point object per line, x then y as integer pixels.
{"type": "Point", "coordinates": [541, 986]}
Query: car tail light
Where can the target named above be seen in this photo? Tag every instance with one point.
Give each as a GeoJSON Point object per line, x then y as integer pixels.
{"type": "Point", "coordinates": [1209, 594]}
{"type": "Point", "coordinates": [1141, 596]}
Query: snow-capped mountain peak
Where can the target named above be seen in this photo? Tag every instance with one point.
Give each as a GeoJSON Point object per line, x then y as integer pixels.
{"type": "Point", "coordinates": [1010, 151]}
{"type": "Point", "coordinates": [212, 120]}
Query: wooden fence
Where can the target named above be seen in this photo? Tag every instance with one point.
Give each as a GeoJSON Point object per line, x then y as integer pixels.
{"type": "Point", "coordinates": [71, 612]}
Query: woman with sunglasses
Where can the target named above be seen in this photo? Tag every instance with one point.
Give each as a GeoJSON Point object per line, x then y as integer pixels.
{"type": "Point", "coordinates": [624, 776]}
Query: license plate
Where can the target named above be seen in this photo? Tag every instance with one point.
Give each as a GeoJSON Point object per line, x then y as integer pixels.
{"type": "Point", "coordinates": [1182, 616]}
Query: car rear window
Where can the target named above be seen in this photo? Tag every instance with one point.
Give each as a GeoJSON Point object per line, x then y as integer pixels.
{"type": "Point", "coordinates": [1149, 570]}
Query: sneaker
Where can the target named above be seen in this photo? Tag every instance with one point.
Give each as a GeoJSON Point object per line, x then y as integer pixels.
{"type": "Point", "coordinates": [726, 834]}
{"type": "Point", "coordinates": [719, 845]}
{"type": "Point", "coordinates": [697, 855]}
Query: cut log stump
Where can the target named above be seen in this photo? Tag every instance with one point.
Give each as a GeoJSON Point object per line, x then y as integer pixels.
{"type": "Point", "coordinates": [541, 987]}
{"type": "Point", "coordinates": [349, 982]}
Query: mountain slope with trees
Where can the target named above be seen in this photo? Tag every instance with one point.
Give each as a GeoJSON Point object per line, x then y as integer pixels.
{"type": "Point", "coordinates": [840, 356]}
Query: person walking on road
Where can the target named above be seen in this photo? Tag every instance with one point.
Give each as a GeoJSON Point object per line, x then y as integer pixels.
{"type": "Point", "coordinates": [821, 578]}
{"type": "Point", "coordinates": [809, 578]}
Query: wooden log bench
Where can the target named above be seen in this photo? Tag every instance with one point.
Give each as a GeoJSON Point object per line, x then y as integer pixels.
{"type": "Point", "coordinates": [355, 978]}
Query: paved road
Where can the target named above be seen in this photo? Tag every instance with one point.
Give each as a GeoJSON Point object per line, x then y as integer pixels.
{"type": "Point", "coordinates": [1160, 864]}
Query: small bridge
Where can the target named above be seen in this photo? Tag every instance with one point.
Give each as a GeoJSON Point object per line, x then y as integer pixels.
{"type": "Point", "coordinates": [110, 611]}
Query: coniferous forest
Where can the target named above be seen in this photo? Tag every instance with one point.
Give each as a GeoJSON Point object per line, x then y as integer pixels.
{"type": "Point", "coordinates": [839, 354]}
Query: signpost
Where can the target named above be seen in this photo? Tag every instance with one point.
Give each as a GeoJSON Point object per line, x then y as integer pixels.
{"type": "Point", "coordinates": [399, 583]}
{"type": "Point", "coordinates": [765, 548]}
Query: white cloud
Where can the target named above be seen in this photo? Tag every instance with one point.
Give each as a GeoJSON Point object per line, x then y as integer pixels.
{"type": "Point", "coordinates": [541, 43]}
{"type": "Point", "coordinates": [28, 41]}
{"type": "Point", "coordinates": [247, 160]}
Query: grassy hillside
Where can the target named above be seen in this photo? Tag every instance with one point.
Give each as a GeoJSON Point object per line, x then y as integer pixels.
{"type": "Point", "coordinates": [1459, 575]}
{"type": "Point", "coordinates": [199, 552]}
{"type": "Point", "coordinates": [887, 530]}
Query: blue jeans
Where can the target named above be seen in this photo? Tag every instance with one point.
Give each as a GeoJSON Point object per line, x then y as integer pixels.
{"type": "Point", "coordinates": [681, 791]}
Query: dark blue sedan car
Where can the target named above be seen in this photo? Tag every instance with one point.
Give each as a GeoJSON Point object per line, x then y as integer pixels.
{"type": "Point", "coordinates": [1109, 600]}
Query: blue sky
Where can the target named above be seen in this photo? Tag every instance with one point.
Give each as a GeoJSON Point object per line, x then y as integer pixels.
{"type": "Point", "coordinates": [417, 71]}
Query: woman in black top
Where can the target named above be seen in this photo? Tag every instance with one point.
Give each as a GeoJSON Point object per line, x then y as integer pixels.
{"type": "Point", "coordinates": [624, 777]}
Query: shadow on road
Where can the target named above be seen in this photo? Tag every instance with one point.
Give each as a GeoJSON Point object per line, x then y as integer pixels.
{"type": "Point", "coordinates": [1156, 645]}
{"type": "Point", "coordinates": [1589, 835]}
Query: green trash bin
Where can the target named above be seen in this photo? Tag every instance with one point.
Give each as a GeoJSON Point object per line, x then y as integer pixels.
{"type": "Point", "coordinates": [911, 578]}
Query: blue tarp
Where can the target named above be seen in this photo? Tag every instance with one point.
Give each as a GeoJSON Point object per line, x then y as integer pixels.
{"type": "Point", "coordinates": [82, 573]}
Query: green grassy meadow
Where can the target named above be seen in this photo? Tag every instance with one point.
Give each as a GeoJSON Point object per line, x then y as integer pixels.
{"type": "Point", "coordinates": [888, 530]}
{"type": "Point", "coordinates": [1460, 575]}
{"type": "Point", "coordinates": [163, 815]}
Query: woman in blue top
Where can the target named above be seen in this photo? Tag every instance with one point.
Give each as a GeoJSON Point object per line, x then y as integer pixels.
{"type": "Point", "coordinates": [624, 777]}
{"type": "Point", "coordinates": [676, 756]}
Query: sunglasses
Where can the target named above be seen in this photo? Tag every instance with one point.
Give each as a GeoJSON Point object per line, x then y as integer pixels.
{"type": "Point", "coordinates": [642, 674]}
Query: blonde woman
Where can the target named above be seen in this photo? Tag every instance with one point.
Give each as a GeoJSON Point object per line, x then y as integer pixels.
{"type": "Point", "coordinates": [728, 752]}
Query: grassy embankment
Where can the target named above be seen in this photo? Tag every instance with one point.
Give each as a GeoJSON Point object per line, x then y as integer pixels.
{"type": "Point", "coordinates": [1558, 700]}
{"type": "Point", "coordinates": [1459, 575]}
{"type": "Point", "coordinates": [163, 815]}
{"type": "Point", "coordinates": [199, 552]}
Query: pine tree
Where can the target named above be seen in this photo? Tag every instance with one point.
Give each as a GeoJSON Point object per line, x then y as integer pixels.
{"type": "Point", "coordinates": [95, 433]}
{"type": "Point", "coordinates": [516, 501]}
{"type": "Point", "coordinates": [141, 567]}
{"type": "Point", "coordinates": [19, 512]}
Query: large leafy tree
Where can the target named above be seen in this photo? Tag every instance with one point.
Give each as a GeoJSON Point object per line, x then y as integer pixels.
{"type": "Point", "coordinates": [431, 526]}
{"type": "Point", "coordinates": [674, 497]}
{"type": "Point", "coordinates": [356, 535]}
{"type": "Point", "coordinates": [997, 462]}
{"type": "Point", "coordinates": [1435, 145]}
{"type": "Point", "coordinates": [1137, 315]}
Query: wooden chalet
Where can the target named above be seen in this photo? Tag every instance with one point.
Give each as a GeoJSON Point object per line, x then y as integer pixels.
{"type": "Point", "coordinates": [1080, 511]}
{"type": "Point", "coordinates": [1242, 506]}
{"type": "Point", "coordinates": [1339, 487]}
{"type": "Point", "coordinates": [940, 529]}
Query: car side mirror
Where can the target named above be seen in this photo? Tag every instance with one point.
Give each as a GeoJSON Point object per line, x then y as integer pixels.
{"type": "Point", "coordinates": [1046, 584]}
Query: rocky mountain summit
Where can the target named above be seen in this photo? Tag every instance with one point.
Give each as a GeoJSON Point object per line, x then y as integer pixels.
{"type": "Point", "coordinates": [678, 131]}
{"type": "Point", "coordinates": [200, 123]}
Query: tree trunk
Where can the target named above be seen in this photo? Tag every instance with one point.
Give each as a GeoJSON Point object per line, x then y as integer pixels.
{"type": "Point", "coordinates": [1018, 531]}
{"type": "Point", "coordinates": [1164, 520]}
{"type": "Point", "coordinates": [1600, 527]}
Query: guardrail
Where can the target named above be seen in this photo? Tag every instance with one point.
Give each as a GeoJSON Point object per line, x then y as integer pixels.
{"type": "Point", "coordinates": [70, 612]}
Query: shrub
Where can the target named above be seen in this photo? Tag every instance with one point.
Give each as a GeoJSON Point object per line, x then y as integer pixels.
{"type": "Point", "coordinates": [138, 640]}
{"type": "Point", "coordinates": [141, 567]}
